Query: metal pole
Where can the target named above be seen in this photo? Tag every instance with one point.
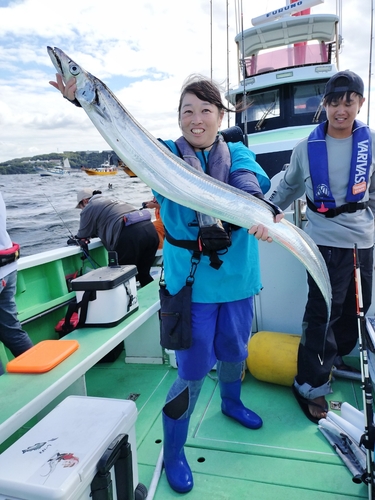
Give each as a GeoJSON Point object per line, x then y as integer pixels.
{"type": "Point", "coordinates": [243, 61]}
{"type": "Point", "coordinates": [227, 12]}
{"type": "Point", "coordinates": [370, 63]}
{"type": "Point", "coordinates": [211, 37]}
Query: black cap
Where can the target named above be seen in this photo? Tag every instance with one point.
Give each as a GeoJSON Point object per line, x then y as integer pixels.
{"type": "Point", "coordinates": [344, 81]}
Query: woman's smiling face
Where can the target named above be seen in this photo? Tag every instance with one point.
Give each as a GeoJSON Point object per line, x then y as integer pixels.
{"type": "Point", "coordinates": [199, 121]}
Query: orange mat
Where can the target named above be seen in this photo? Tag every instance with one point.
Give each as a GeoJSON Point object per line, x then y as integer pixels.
{"type": "Point", "coordinates": [43, 356]}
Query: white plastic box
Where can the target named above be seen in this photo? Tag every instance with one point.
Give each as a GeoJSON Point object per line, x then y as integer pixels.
{"type": "Point", "coordinates": [57, 459]}
{"type": "Point", "coordinates": [112, 294]}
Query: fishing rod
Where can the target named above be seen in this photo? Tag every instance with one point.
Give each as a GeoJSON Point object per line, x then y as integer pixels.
{"type": "Point", "coordinates": [228, 52]}
{"type": "Point", "coordinates": [74, 239]}
{"type": "Point", "coordinates": [367, 438]}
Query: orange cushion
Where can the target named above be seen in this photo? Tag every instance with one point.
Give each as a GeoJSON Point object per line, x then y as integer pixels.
{"type": "Point", "coordinates": [43, 356]}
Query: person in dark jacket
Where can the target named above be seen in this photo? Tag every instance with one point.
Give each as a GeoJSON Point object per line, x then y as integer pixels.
{"type": "Point", "coordinates": [122, 228]}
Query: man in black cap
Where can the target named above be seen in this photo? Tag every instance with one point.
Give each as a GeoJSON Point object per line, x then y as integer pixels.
{"type": "Point", "coordinates": [334, 167]}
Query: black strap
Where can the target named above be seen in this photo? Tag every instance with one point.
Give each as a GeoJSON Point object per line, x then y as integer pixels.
{"type": "Point", "coordinates": [350, 208]}
{"type": "Point", "coordinates": [188, 244]}
{"type": "Point", "coordinates": [88, 296]}
{"type": "Point", "coordinates": [196, 247]}
{"type": "Point", "coordinates": [117, 455]}
{"type": "Point", "coordinates": [194, 261]}
{"type": "Point", "coordinates": [73, 307]}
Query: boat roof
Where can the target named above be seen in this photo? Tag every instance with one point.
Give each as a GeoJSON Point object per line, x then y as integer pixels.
{"type": "Point", "coordinates": [288, 30]}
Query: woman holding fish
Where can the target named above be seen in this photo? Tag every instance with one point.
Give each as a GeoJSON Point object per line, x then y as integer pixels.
{"type": "Point", "coordinates": [222, 264]}
{"type": "Point", "coordinates": [226, 274]}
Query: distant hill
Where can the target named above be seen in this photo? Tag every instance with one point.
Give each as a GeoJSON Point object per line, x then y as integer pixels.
{"type": "Point", "coordinates": [77, 159]}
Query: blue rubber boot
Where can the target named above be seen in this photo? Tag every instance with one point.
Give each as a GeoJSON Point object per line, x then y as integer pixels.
{"type": "Point", "coordinates": [232, 406]}
{"type": "Point", "coordinates": [177, 469]}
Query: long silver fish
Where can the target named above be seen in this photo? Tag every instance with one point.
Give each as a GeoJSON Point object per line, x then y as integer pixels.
{"type": "Point", "coordinates": [173, 178]}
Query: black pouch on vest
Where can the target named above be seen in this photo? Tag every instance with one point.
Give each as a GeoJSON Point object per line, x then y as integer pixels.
{"type": "Point", "coordinates": [212, 234]}
{"type": "Point", "coordinates": [175, 318]}
{"type": "Point", "coordinates": [214, 238]}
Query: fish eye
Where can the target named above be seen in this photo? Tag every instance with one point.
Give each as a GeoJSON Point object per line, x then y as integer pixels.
{"type": "Point", "coordinates": [74, 69]}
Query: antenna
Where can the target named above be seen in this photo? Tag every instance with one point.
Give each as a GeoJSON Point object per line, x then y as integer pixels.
{"type": "Point", "coordinates": [243, 62]}
{"type": "Point", "coordinates": [370, 63]}
{"type": "Point", "coordinates": [211, 36]}
{"type": "Point", "coordinates": [227, 12]}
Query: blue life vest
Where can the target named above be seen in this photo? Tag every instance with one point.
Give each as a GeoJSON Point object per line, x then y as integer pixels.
{"type": "Point", "coordinates": [359, 169]}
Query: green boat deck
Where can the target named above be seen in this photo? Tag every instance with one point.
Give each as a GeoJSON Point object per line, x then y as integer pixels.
{"type": "Point", "coordinates": [288, 458]}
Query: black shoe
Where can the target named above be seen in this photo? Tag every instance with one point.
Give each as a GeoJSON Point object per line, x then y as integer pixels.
{"type": "Point", "coordinates": [346, 368]}
{"type": "Point", "coordinates": [341, 366]}
{"type": "Point", "coordinates": [341, 369]}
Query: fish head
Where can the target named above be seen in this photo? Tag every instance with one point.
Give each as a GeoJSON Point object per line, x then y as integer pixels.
{"type": "Point", "coordinates": [92, 94]}
{"type": "Point", "coordinates": [67, 68]}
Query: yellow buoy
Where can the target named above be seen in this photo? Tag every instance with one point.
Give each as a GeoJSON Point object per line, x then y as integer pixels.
{"type": "Point", "coordinates": [273, 357]}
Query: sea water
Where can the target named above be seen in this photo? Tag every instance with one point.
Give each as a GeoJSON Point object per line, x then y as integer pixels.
{"type": "Point", "coordinates": [41, 213]}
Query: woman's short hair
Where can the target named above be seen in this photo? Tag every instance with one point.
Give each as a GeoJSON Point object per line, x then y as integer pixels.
{"type": "Point", "coordinates": [205, 89]}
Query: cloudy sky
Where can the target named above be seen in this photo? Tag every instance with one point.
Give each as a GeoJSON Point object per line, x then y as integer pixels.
{"type": "Point", "coordinates": [143, 53]}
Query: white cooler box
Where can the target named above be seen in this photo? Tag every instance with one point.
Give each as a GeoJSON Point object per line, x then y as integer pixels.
{"type": "Point", "coordinates": [65, 455]}
{"type": "Point", "coordinates": [110, 294]}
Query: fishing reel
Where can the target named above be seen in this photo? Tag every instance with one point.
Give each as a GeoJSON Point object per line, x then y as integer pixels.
{"type": "Point", "coordinates": [83, 243]}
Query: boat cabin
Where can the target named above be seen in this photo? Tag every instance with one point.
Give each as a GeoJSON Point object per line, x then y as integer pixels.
{"type": "Point", "coordinates": [286, 64]}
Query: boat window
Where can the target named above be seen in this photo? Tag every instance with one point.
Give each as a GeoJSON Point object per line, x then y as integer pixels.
{"type": "Point", "coordinates": [288, 57]}
{"type": "Point", "coordinates": [264, 105]}
{"type": "Point", "coordinates": [307, 98]}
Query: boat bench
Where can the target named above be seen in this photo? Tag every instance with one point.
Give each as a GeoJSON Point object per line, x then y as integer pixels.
{"type": "Point", "coordinates": [42, 293]}
{"type": "Point", "coordinates": [25, 396]}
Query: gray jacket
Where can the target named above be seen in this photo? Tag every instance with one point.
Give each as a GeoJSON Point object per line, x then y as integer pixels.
{"type": "Point", "coordinates": [104, 218]}
{"type": "Point", "coordinates": [347, 228]}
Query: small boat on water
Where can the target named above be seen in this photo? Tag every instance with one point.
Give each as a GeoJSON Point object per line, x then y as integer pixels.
{"type": "Point", "coordinates": [105, 169]}
{"type": "Point", "coordinates": [51, 171]}
{"type": "Point", "coordinates": [288, 458]}
{"type": "Point", "coordinates": [55, 171]}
